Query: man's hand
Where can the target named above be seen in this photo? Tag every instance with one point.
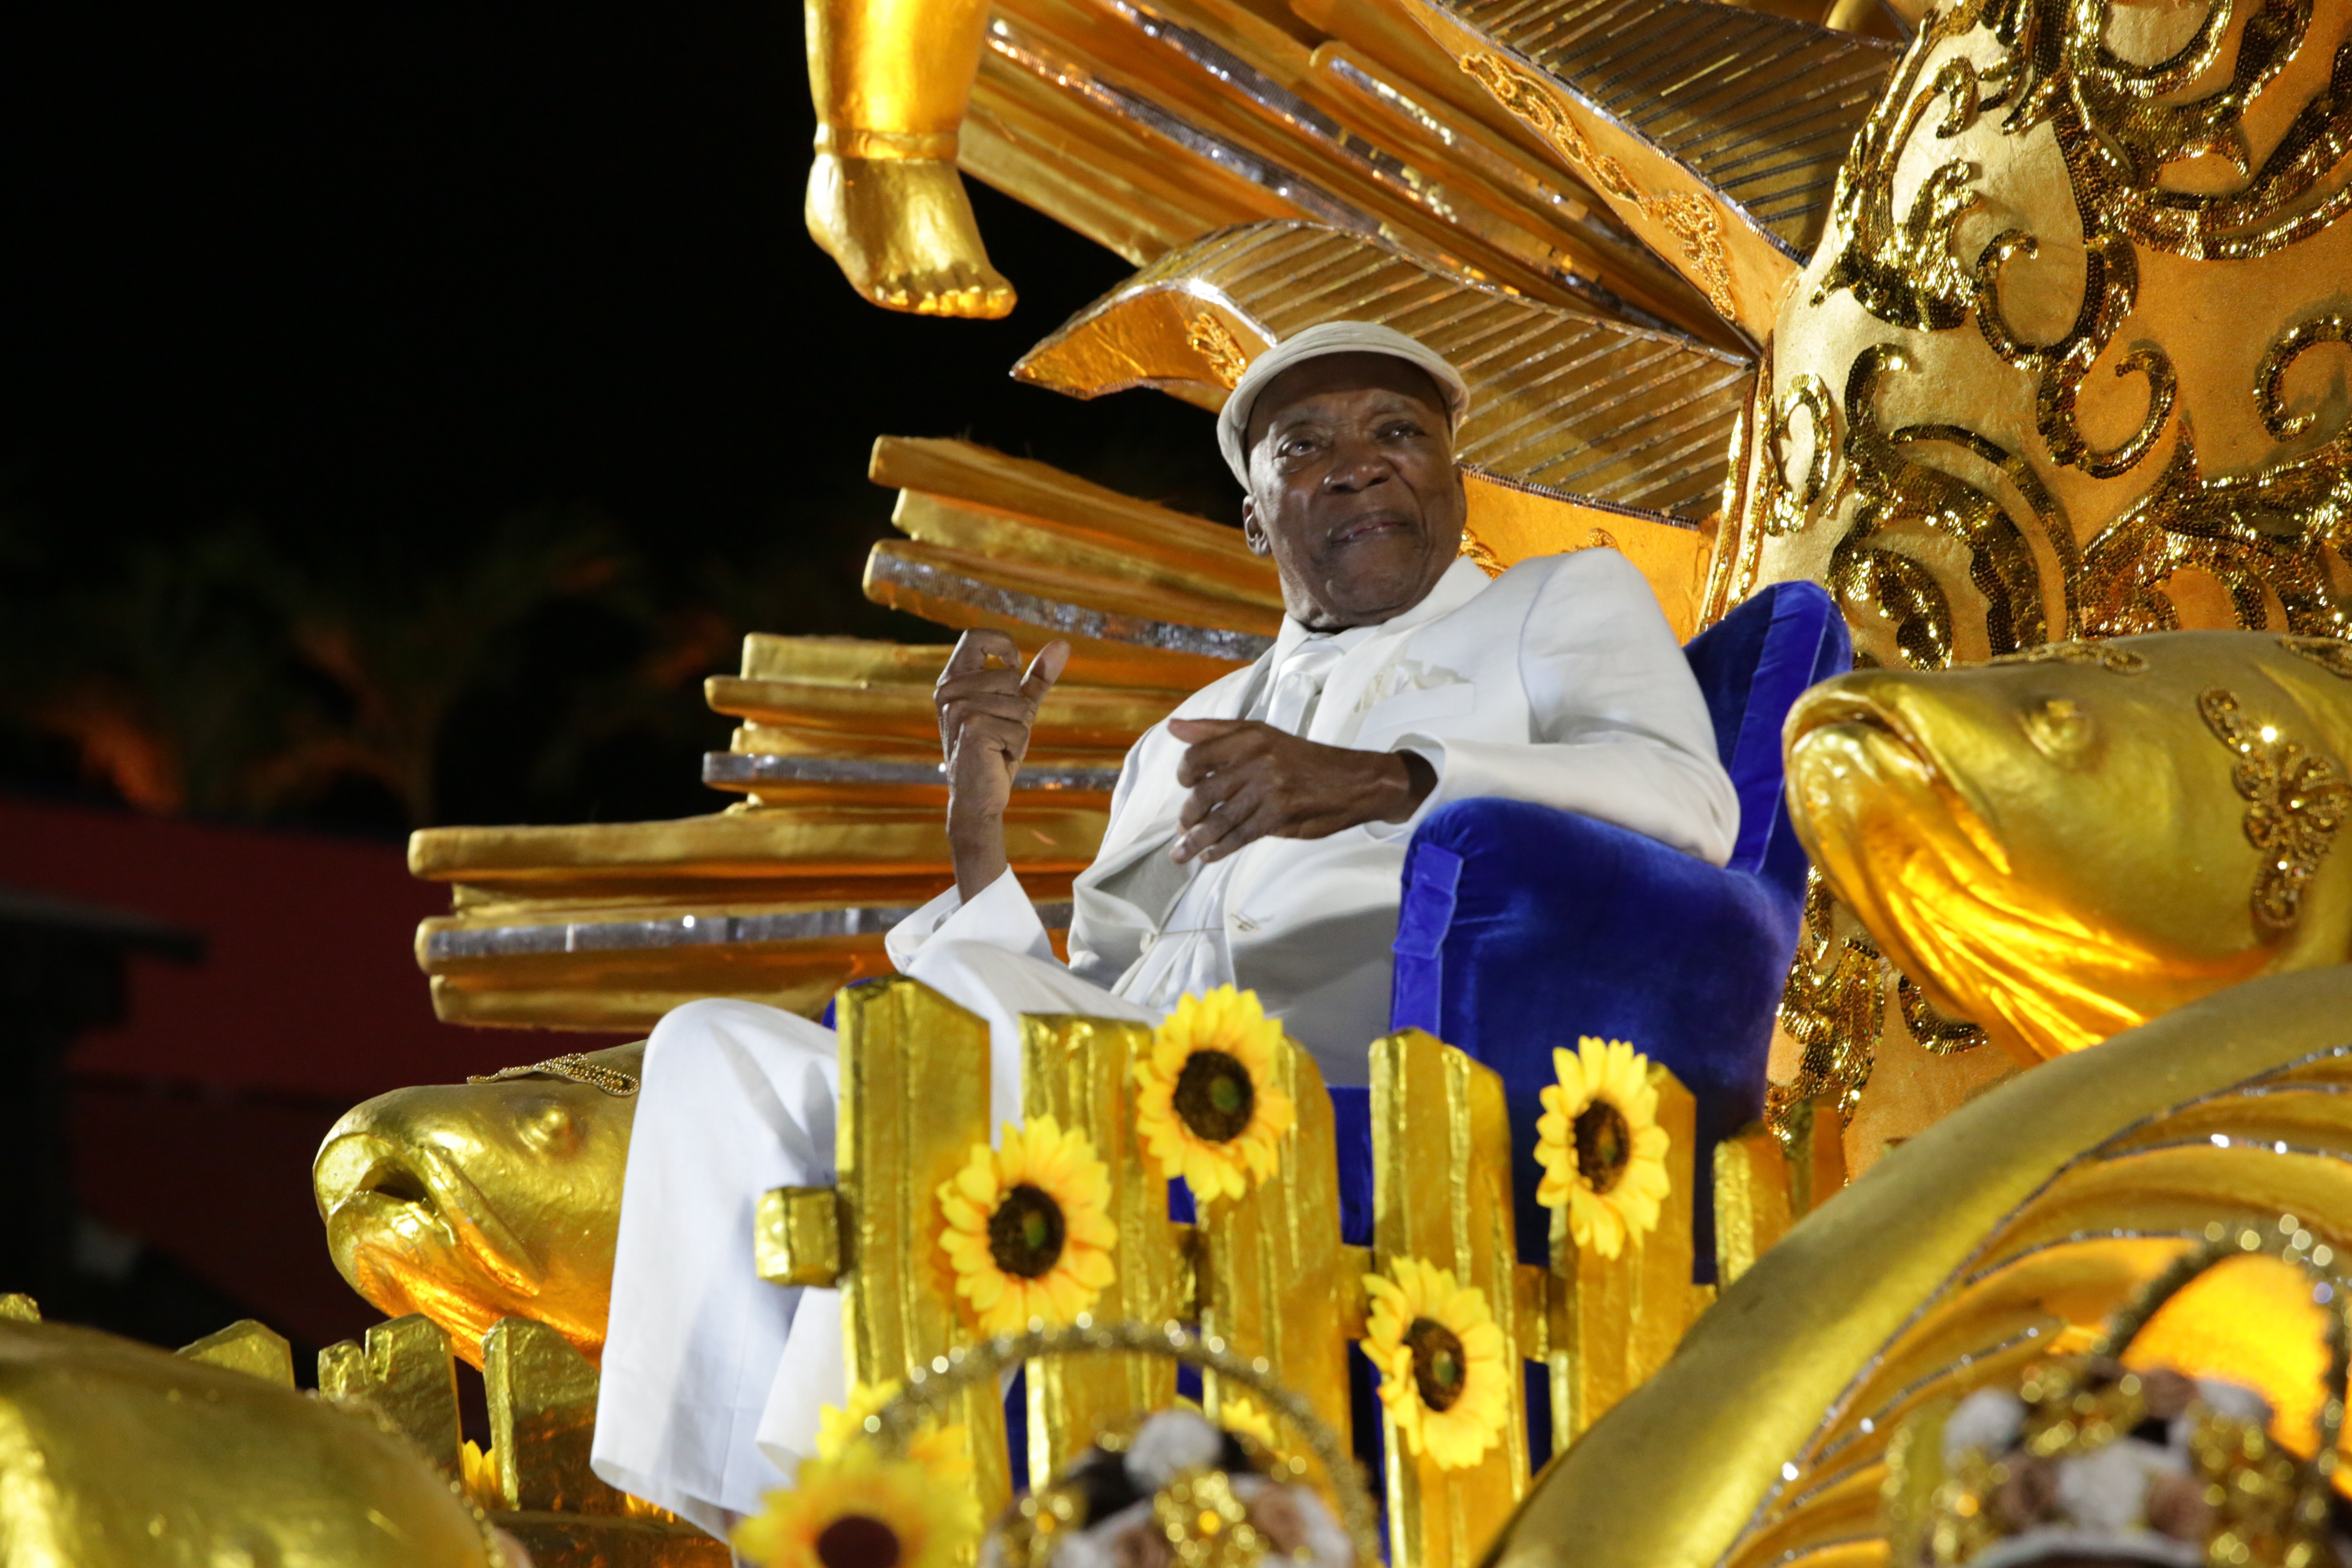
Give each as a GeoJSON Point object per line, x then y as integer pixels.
{"type": "Point", "coordinates": [1250, 781]}
{"type": "Point", "coordinates": [987, 708]}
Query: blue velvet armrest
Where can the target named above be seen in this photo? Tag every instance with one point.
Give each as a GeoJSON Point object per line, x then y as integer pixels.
{"type": "Point", "coordinates": [1523, 927]}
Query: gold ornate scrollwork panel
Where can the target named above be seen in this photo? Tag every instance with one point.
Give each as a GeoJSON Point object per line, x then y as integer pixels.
{"type": "Point", "coordinates": [2071, 360]}
{"type": "Point", "coordinates": [2072, 356]}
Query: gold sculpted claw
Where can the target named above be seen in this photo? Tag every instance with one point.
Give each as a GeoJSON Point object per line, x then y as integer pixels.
{"type": "Point", "coordinates": [891, 80]}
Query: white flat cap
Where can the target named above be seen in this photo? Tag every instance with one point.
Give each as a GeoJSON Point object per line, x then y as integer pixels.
{"type": "Point", "coordinates": [1315, 342]}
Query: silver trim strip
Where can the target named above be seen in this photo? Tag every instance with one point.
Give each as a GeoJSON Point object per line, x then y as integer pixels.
{"type": "Point", "coordinates": [681, 931]}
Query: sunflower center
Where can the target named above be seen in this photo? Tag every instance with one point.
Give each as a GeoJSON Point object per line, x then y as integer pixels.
{"type": "Point", "coordinates": [1604, 1146]}
{"type": "Point", "coordinates": [853, 1541]}
{"type": "Point", "coordinates": [1024, 1234]}
{"type": "Point", "coordinates": [1439, 1367]}
{"type": "Point", "coordinates": [1214, 1096]}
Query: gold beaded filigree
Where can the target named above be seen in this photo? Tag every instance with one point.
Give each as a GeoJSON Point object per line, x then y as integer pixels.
{"type": "Point", "coordinates": [570, 1066]}
{"type": "Point", "coordinates": [1689, 218]}
{"type": "Point", "coordinates": [2332, 655]}
{"type": "Point", "coordinates": [2113, 661]}
{"type": "Point", "coordinates": [2295, 801]}
{"type": "Point", "coordinates": [1215, 342]}
{"type": "Point", "coordinates": [1833, 1007]}
{"type": "Point", "coordinates": [1204, 1524]}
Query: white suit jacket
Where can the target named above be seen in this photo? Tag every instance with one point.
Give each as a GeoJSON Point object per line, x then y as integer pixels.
{"type": "Point", "coordinates": [1559, 682]}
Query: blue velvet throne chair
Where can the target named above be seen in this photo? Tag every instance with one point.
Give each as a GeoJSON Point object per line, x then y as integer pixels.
{"type": "Point", "coordinates": [1522, 927]}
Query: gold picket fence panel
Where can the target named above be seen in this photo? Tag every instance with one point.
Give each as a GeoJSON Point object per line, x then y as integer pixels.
{"type": "Point", "coordinates": [1266, 1277]}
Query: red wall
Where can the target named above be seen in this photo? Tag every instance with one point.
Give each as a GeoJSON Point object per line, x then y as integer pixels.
{"type": "Point", "coordinates": [195, 1123]}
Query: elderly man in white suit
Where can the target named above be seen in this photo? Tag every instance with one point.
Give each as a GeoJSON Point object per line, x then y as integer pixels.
{"type": "Point", "coordinates": [1257, 839]}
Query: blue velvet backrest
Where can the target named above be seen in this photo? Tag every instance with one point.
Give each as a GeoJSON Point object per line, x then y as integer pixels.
{"type": "Point", "coordinates": [1751, 667]}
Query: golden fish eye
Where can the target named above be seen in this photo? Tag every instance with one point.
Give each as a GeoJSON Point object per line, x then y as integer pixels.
{"type": "Point", "coordinates": [2058, 729]}
{"type": "Point", "coordinates": [548, 1128]}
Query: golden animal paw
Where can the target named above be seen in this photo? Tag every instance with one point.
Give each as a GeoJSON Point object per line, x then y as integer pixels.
{"type": "Point", "coordinates": [903, 232]}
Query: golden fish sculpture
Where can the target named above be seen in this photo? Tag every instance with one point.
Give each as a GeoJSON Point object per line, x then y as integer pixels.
{"type": "Point", "coordinates": [2064, 844]}
{"type": "Point", "coordinates": [116, 1455]}
{"type": "Point", "coordinates": [473, 1202]}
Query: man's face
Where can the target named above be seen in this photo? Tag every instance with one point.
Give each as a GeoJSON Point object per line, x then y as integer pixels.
{"type": "Point", "coordinates": [1352, 488]}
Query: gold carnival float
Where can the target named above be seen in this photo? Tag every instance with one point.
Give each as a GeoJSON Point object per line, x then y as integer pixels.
{"type": "Point", "coordinates": [2022, 326]}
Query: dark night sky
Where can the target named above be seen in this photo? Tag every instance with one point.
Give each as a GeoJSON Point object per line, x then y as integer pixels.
{"type": "Point", "coordinates": [400, 266]}
{"type": "Point", "coordinates": [390, 272]}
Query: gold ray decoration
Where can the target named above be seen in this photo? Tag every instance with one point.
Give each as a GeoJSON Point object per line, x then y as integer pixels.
{"type": "Point", "coordinates": [1214, 115]}
{"type": "Point", "coordinates": [1563, 402]}
{"type": "Point", "coordinates": [784, 899]}
{"type": "Point", "coordinates": [1715, 131]}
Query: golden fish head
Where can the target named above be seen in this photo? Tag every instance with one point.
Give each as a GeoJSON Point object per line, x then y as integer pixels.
{"type": "Point", "coordinates": [469, 1202]}
{"type": "Point", "coordinates": [2056, 845]}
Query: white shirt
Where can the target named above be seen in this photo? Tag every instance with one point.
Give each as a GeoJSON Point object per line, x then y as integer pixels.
{"type": "Point", "coordinates": [1559, 683]}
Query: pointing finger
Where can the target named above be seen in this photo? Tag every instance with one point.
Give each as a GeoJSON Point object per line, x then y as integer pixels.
{"type": "Point", "coordinates": [1045, 669]}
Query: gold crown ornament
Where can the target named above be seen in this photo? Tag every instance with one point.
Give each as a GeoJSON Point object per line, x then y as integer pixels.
{"type": "Point", "coordinates": [2086, 1460]}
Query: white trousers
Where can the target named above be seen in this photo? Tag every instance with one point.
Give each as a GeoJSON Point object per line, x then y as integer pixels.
{"type": "Point", "coordinates": [713, 1377]}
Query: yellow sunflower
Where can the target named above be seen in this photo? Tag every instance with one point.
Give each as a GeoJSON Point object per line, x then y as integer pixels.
{"type": "Point", "coordinates": [1603, 1152]}
{"type": "Point", "coordinates": [1443, 1373]}
{"type": "Point", "coordinates": [478, 1472]}
{"type": "Point", "coordinates": [1029, 1232]}
{"type": "Point", "coordinates": [1206, 1101]}
{"type": "Point", "coordinates": [861, 1512]}
{"type": "Point", "coordinates": [938, 1448]}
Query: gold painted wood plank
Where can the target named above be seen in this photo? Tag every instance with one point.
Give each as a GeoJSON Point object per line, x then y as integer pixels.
{"type": "Point", "coordinates": [1148, 667]}
{"type": "Point", "coordinates": [965, 592]}
{"type": "Point", "coordinates": [1099, 174]}
{"type": "Point", "coordinates": [1123, 564]}
{"type": "Point", "coordinates": [404, 1369]}
{"type": "Point", "coordinates": [1247, 105]}
{"type": "Point", "coordinates": [1071, 508]}
{"type": "Point", "coordinates": [1563, 400]}
{"type": "Point", "coordinates": [1548, 200]}
{"type": "Point", "coordinates": [1274, 1279]}
{"type": "Point", "coordinates": [1442, 1194]}
{"type": "Point", "coordinates": [1127, 613]}
{"type": "Point", "coordinates": [1080, 1071]}
{"type": "Point", "coordinates": [1715, 133]}
{"type": "Point", "coordinates": [748, 844]}
{"type": "Point", "coordinates": [914, 1103]}
{"type": "Point", "coordinates": [542, 1396]}
{"type": "Point", "coordinates": [1072, 718]}
{"type": "Point", "coordinates": [1616, 1321]}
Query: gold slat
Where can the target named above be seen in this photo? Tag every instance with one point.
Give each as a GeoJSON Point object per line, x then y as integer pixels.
{"type": "Point", "coordinates": [1617, 1320]}
{"type": "Point", "coordinates": [1072, 718]}
{"type": "Point", "coordinates": [748, 844]}
{"type": "Point", "coordinates": [914, 1103]}
{"type": "Point", "coordinates": [1436, 1110]}
{"type": "Point", "coordinates": [1274, 1279]}
{"type": "Point", "coordinates": [1079, 1071]}
{"type": "Point", "coordinates": [959, 590]}
{"type": "Point", "coordinates": [542, 1408]}
{"type": "Point", "coordinates": [1074, 511]}
{"type": "Point", "coordinates": [1105, 178]}
{"type": "Point", "coordinates": [1561, 400]}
